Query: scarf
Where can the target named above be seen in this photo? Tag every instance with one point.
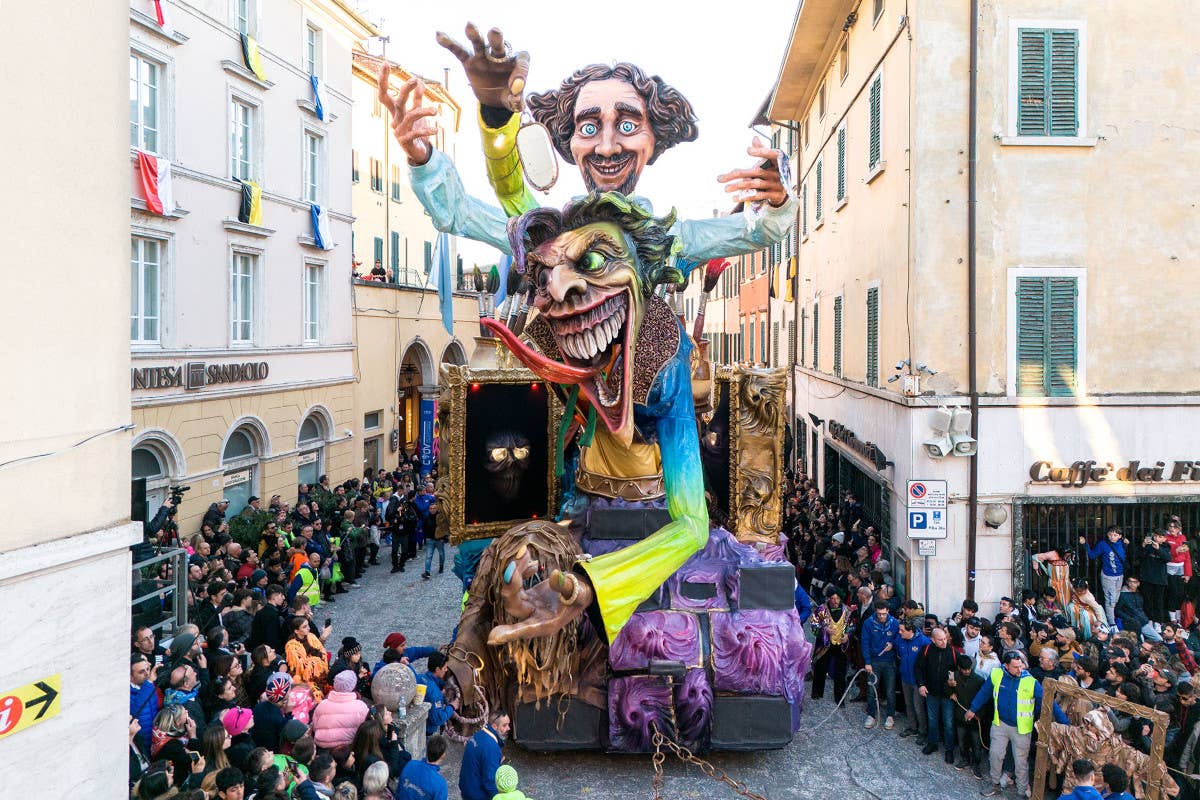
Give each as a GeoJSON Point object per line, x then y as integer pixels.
{"type": "Point", "coordinates": [158, 738]}
{"type": "Point", "coordinates": [179, 696]}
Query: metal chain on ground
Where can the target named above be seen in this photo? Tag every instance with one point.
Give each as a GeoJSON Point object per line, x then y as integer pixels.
{"type": "Point", "coordinates": [686, 756]}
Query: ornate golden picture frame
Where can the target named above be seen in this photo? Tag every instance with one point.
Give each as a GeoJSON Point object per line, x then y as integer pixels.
{"type": "Point", "coordinates": [756, 432]}
{"type": "Point", "coordinates": [457, 497]}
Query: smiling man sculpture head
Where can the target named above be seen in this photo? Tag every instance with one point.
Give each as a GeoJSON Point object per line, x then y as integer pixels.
{"type": "Point", "coordinates": [613, 121]}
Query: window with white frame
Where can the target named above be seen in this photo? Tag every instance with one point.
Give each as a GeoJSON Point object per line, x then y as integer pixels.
{"type": "Point", "coordinates": [145, 268]}
{"type": "Point", "coordinates": [145, 103]}
{"type": "Point", "coordinates": [312, 167]}
{"type": "Point", "coordinates": [312, 49]}
{"type": "Point", "coordinates": [875, 123]}
{"type": "Point", "coordinates": [396, 182]}
{"type": "Point", "coordinates": [312, 302]}
{"type": "Point", "coordinates": [821, 102]}
{"type": "Point", "coordinates": [245, 16]}
{"type": "Point", "coordinates": [242, 119]}
{"type": "Point", "coordinates": [241, 296]}
{"type": "Point", "coordinates": [1047, 78]}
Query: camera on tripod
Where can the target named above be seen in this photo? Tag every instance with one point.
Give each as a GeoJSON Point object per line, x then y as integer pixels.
{"type": "Point", "coordinates": [177, 493]}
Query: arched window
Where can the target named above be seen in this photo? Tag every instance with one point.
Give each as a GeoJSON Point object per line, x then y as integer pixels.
{"type": "Point", "coordinates": [156, 464]}
{"type": "Point", "coordinates": [146, 464]}
{"type": "Point", "coordinates": [310, 441]}
{"type": "Point", "coordinates": [240, 461]}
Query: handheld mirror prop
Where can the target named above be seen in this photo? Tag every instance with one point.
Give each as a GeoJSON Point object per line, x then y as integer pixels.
{"type": "Point", "coordinates": [536, 151]}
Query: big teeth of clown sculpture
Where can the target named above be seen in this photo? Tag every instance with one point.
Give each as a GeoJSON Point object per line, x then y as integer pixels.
{"type": "Point", "coordinates": [599, 331]}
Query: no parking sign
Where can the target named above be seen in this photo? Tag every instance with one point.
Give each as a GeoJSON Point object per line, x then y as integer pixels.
{"type": "Point", "coordinates": [927, 509]}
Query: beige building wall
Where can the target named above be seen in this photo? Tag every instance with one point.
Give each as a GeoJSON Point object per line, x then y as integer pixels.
{"type": "Point", "coordinates": [64, 562]}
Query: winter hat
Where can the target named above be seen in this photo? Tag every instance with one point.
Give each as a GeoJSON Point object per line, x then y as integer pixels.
{"type": "Point", "coordinates": [394, 641]}
{"type": "Point", "coordinates": [278, 685]}
{"type": "Point", "coordinates": [236, 720]}
{"type": "Point", "coordinates": [257, 576]}
{"type": "Point", "coordinates": [293, 731]}
{"type": "Point", "coordinates": [506, 778]}
{"type": "Point", "coordinates": [181, 644]}
{"type": "Point", "coordinates": [344, 681]}
{"type": "Point", "coordinates": [350, 646]}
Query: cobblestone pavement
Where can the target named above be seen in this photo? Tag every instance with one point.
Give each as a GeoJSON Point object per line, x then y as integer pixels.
{"type": "Point", "coordinates": [840, 760]}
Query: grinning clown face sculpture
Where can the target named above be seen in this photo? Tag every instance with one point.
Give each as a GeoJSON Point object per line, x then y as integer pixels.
{"type": "Point", "coordinates": [592, 269]}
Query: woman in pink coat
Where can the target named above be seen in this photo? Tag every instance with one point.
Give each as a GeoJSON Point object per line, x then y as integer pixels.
{"type": "Point", "coordinates": [336, 718]}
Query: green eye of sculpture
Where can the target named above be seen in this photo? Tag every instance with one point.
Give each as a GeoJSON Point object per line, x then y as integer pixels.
{"type": "Point", "coordinates": [591, 261]}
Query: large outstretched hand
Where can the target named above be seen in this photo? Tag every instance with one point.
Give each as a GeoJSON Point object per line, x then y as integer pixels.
{"type": "Point", "coordinates": [542, 609]}
{"type": "Point", "coordinates": [409, 125]}
{"type": "Point", "coordinates": [496, 75]}
{"type": "Point", "coordinates": [757, 184]}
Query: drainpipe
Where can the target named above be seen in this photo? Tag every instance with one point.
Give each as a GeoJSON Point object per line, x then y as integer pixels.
{"type": "Point", "coordinates": [972, 376]}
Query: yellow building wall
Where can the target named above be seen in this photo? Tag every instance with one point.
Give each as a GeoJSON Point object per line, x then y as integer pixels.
{"type": "Point", "coordinates": [201, 427]}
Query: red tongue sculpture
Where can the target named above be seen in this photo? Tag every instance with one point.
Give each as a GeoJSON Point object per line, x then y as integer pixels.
{"type": "Point", "coordinates": [555, 371]}
{"type": "Point", "coordinates": [548, 368]}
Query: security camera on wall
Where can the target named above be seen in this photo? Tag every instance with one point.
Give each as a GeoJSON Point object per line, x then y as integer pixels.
{"type": "Point", "coordinates": [940, 444]}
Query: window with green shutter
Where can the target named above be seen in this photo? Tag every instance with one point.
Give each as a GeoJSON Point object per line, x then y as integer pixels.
{"type": "Point", "coordinates": [1047, 336]}
{"type": "Point", "coordinates": [395, 250]}
{"type": "Point", "coordinates": [791, 334]}
{"type": "Point", "coordinates": [816, 328]}
{"type": "Point", "coordinates": [1048, 82]}
{"type": "Point", "coordinates": [803, 337]}
{"type": "Point", "coordinates": [804, 209]}
{"type": "Point", "coordinates": [762, 341]}
{"type": "Point", "coordinates": [873, 336]}
{"type": "Point", "coordinates": [875, 140]}
{"type": "Point", "coordinates": [841, 165]}
{"type": "Point", "coordinates": [819, 192]}
{"type": "Point", "coordinates": [378, 251]}
{"type": "Point", "coordinates": [837, 336]}
{"type": "Point", "coordinates": [428, 257]}
{"type": "Point", "coordinates": [750, 345]}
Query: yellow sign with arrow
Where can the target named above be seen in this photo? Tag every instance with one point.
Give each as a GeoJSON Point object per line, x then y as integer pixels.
{"type": "Point", "coordinates": [29, 704]}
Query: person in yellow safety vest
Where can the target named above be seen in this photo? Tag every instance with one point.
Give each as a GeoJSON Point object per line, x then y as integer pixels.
{"type": "Point", "coordinates": [1017, 696]}
{"type": "Point", "coordinates": [307, 581]}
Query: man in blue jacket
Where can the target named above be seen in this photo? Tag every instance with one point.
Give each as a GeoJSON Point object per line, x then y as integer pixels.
{"type": "Point", "coordinates": [143, 697]}
{"type": "Point", "coordinates": [909, 646]}
{"type": "Point", "coordinates": [440, 711]}
{"type": "Point", "coordinates": [879, 634]}
{"type": "Point", "coordinates": [1111, 552]}
{"type": "Point", "coordinates": [1018, 703]}
{"type": "Point", "coordinates": [482, 757]}
{"type": "Point", "coordinates": [1085, 773]}
{"type": "Point", "coordinates": [422, 780]}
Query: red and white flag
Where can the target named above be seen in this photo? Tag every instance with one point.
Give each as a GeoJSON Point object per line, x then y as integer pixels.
{"type": "Point", "coordinates": [156, 183]}
{"type": "Point", "coordinates": [160, 15]}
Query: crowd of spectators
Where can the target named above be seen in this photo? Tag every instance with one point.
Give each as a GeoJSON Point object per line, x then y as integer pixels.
{"type": "Point", "coordinates": [969, 685]}
{"type": "Point", "coordinates": [252, 698]}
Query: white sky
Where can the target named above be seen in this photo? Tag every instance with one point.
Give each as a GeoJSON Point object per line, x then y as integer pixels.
{"type": "Point", "coordinates": [723, 58]}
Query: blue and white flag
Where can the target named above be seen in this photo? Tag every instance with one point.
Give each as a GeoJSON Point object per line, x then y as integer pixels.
{"type": "Point", "coordinates": [320, 223]}
{"type": "Point", "coordinates": [442, 277]}
{"type": "Point", "coordinates": [316, 84]}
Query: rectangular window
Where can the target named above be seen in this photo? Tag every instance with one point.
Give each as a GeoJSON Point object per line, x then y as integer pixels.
{"type": "Point", "coordinates": [396, 253]}
{"type": "Point", "coordinates": [312, 49]}
{"type": "Point", "coordinates": [820, 192]}
{"type": "Point", "coordinates": [241, 140]}
{"type": "Point", "coordinates": [379, 251]}
{"type": "Point", "coordinates": [841, 163]}
{"type": "Point", "coordinates": [396, 182]}
{"type": "Point", "coordinates": [1048, 82]}
{"type": "Point", "coordinates": [873, 336]}
{"type": "Point", "coordinates": [791, 334]}
{"type": "Point", "coordinates": [372, 420]}
{"type": "Point", "coordinates": [804, 133]}
{"type": "Point", "coordinates": [312, 167]}
{"type": "Point", "coordinates": [875, 143]}
{"type": "Point", "coordinates": [246, 16]}
{"type": "Point", "coordinates": [774, 344]}
{"type": "Point", "coordinates": [145, 267]}
{"type": "Point", "coordinates": [816, 336]}
{"type": "Point", "coordinates": [837, 336]}
{"type": "Point", "coordinates": [803, 336]}
{"type": "Point", "coordinates": [762, 341]}
{"type": "Point", "coordinates": [376, 175]}
{"type": "Point", "coordinates": [428, 262]}
{"type": "Point", "coordinates": [750, 346]}
{"type": "Point", "coordinates": [312, 303]}
{"type": "Point", "coordinates": [844, 59]}
{"type": "Point", "coordinates": [145, 102]}
{"type": "Point", "coordinates": [377, 109]}
{"type": "Point", "coordinates": [242, 298]}
{"type": "Point", "coordinates": [354, 166]}
{"type": "Point", "coordinates": [821, 102]}
{"type": "Point", "coordinates": [1047, 337]}
{"type": "Point", "coordinates": [804, 210]}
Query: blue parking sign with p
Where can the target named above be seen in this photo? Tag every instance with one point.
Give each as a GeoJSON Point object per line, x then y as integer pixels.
{"type": "Point", "coordinates": [918, 520]}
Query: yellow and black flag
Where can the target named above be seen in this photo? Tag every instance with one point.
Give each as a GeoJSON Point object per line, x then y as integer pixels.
{"type": "Point", "coordinates": [250, 211]}
{"type": "Point", "coordinates": [251, 57]}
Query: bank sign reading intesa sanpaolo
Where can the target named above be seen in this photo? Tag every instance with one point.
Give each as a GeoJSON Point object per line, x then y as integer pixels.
{"type": "Point", "coordinates": [197, 375]}
{"type": "Point", "coordinates": [1080, 473]}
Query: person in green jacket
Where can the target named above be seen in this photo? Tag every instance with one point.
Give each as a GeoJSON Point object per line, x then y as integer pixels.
{"type": "Point", "coordinates": [506, 783]}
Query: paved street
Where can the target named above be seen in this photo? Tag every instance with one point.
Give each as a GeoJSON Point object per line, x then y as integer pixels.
{"type": "Point", "coordinates": [816, 765]}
